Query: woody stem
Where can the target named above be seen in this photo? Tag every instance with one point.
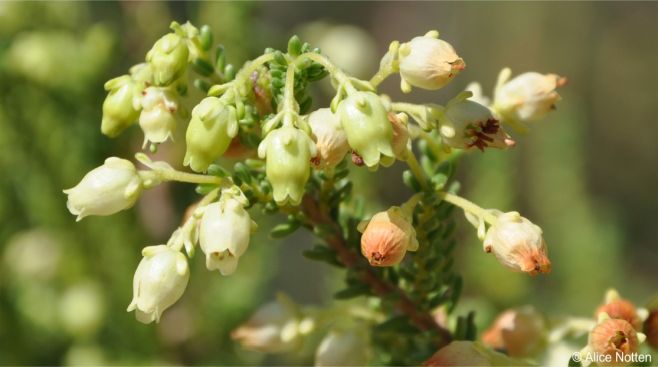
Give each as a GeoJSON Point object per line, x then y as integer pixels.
{"type": "Point", "coordinates": [317, 216]}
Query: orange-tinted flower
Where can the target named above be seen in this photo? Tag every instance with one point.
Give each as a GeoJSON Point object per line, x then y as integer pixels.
{"type": "Point", "coordinates": [387, 237]}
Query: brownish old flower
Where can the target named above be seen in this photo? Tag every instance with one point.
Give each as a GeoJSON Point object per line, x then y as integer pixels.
{"type": "Point", "coordinates": [619, 308]}
{"type": "Point", "coordinates": [387, 237]}
{"type": "Point", "coordinates": [520, 332]}
{"type": "Point", "coordinates": [610, 340]}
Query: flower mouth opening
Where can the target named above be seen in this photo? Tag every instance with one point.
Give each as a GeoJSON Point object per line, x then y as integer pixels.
{"type": "Point", "coordinates": [220, 255]}
{"type": "Point", "coordinates": [457, 65]}
{"type": "Point", "coordinates": [620, 341]}
{"type": "Point", "coordinates": [377, 258]}
{"type": "Point", "coordinates": [483, 132]}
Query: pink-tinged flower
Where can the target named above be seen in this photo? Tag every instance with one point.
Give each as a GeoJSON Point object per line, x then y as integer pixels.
{"type": "Point", "coordinates": [518, 244]}
{"type": "Point", "coordinates": [520, 332]}
{"type": "Point", "coordinates": [387, 237]}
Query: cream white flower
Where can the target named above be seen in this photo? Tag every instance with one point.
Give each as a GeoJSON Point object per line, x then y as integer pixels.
{"type": "Point", "coordinates": [518, 244]}
{"type": "Point", "coordinates": [168, 59]}
{"type": "Point", "coordinates": [527, 97]}
{"type": "Point", "coordinates": [329, 136]}
{"type": "Point", "coordinates": [275, 327]}
{"type": "Point", "coordinates": [469, 125]}
{"type": "Point", "coordinates": [158, 117]}
{"type": "Point", "coordinates": [387, 237]}
{"type": "Point", "coordinates": [288, 152]}
{"type": "Point", "coordinates": [105, 190]}
{"type": "Point", "coordinates": [160, 280]}
{"type": "Point", "coordinates": [369, 133]}
{"type": "Point", "coordinates": [224, 234]}
{"type": "Point", "coordinates": [428, 62]}
{"type": "Point", "coordinates": [343, 348]}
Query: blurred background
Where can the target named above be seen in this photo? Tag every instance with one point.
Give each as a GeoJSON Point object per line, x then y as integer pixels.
{"type": "Point", "coordinates": [587, 174]}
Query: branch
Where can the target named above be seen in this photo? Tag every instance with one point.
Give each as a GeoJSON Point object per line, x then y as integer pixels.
{"type": "Point", "coordinates": [380, 287]}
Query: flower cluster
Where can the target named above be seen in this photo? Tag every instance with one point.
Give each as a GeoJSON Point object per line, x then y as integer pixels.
{"type": "Point", "coordinates": [293, 159]}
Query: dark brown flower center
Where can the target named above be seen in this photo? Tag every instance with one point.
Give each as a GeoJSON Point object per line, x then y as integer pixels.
{"type": "Point", "coordinates": [482, 133]}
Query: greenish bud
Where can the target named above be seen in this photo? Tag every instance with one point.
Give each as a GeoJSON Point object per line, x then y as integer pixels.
{"type": "Point", "coordinates": [288, 152]}
{"type": "Point", "coordinates": [168, 59]}
{"type": "Point", "coordinates": [294, 46]}
{"type": "Point", "coordinates": [210, 132]}
{"type": "Point", "coordinates": [368, 130]}
{"type": "Point", "coordinates": [121, 106]}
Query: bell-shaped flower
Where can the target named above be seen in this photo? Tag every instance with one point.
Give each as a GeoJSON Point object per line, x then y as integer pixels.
{"type": "Point", "coordinates": [369, 133]}
{"type": "Point", "coordinates": [168, 59]}
{"type": "Point", "coordinates": [343, 348]}
{"type": "Point", "coordinates": [160, 280]}
{"type": "Point", "coordinates": [224, 234]}
{"type": "Point", "coordinates": [288, 152]}
{"type": "Point", "coordinates": [428, 62]}
{"type": "Point", "coordinates": [518, 244]}
{"type": "Point", "coordinates": [619, 308]}
{"type": "Point", "coordinates": [121, 106]}
{"type": "Point", "coordinates": [329, 136]}
{"type": "Point", "coordinates": [520, 332]}
{"type": "Point", "coordinates": [105, 190]}
{"type": "Point", "coordinates": [611, 343]}
{"type": "Point", "coordinates": [158, 117]}
{"type": "Point", "coordinates": [469, 125]}
{"type": "Point", "coordinates": [387, 237]}
{"type": "Point", "coordinates": [527, 97]}
{"type": "Point", "coordinates": [274, 328]}
{"type": "Point", "coordinates": [213, 126]}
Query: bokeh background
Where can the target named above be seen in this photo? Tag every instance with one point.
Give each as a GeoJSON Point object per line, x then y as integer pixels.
{"type": "Point", "coordinates": [587, 174]}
